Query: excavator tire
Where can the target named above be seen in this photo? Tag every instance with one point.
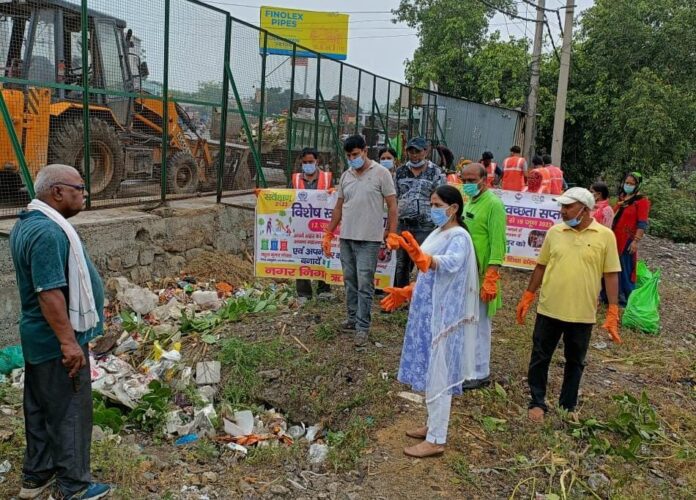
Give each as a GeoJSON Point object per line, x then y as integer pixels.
{"type": "Point", "coordinates": [107, 166]}
{"type": "Point", "coordinates": [182, 173]}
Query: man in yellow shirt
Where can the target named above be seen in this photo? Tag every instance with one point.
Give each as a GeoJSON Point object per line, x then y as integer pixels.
{"type": "Point", "coordinates": [574, 258]}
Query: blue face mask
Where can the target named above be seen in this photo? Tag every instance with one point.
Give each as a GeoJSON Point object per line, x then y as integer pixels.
{"type": "Point", "coordinates": [628, 188]}
{"type": "Point", "coordinates": [439, 215]}
{"type": "Point", "coordinates": [309, 168]}
{"type": "Point", "coordinates": [356, 162]}
{"type": "Point", "coordinates": [471, 190]}
{"type": "Point", "coordinates": [575, 221]}
{"type": "Point", "coordinates": [388, 164]}
{"type": "Point", "coordinates": [416, 164]}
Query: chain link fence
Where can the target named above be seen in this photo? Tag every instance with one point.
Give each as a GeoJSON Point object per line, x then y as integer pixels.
{"type": "Point", "coordinates": [164, 99]}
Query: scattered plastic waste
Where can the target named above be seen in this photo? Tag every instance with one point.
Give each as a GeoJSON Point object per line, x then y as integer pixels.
{"type": "Point", "coordinates": [10, 358]}
{"type": "Point", "coordinates": [187, 439]}
{"type": "Point", "coordinates": [318, 453]}
{"type": "Point", "coordinates": [410, 396]}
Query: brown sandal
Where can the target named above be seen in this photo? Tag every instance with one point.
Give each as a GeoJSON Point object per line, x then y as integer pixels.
{"type": "Point", "coordinates": [419, 433]}
{"type": "Point", "coordinates": [425, 449]}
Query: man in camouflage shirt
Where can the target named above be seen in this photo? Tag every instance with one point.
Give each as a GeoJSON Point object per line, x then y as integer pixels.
{"type": "Point", "coordinates": [415, 182]}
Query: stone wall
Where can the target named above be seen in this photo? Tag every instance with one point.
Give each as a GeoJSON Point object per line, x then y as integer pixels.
{"type": "Point", "coordinates": [140, 245]}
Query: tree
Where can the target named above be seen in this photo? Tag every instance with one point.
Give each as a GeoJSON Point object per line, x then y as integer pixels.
{"type": "Point", "coordinates": [452, 33]}
{"type": "Point", "coordinates": [632, 95]}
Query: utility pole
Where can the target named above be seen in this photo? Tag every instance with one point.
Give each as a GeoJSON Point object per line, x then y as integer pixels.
{"type": "Point", "coordinates": [530, 127]}
{"type": "Point", "coordinates": [562, 93]}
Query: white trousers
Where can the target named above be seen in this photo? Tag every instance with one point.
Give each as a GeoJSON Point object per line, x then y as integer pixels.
{"type": "Point", "coordinates": [483, 343]}
{"type": "Point", "coordinates": [438, 419]}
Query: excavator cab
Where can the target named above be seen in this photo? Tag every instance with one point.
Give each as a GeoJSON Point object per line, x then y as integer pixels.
{"type": "Point", "coordinates": [41, 43]}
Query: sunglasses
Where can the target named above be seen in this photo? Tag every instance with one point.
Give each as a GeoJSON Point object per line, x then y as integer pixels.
{"type": "Point", "coordinates": [79, 187]}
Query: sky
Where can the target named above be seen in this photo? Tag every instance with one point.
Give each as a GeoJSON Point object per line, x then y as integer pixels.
{"type": "Point", "coordinates": [196, 50]}
{"type": "Point", "coordinates": [378, 45]}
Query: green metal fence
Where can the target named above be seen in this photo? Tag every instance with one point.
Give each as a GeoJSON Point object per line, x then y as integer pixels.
{"type": "Point", "coordinates": [176, 98]}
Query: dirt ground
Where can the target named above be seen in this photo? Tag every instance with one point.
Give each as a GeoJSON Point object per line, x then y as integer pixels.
{"type": "Point", "coordinates": [311, 372]}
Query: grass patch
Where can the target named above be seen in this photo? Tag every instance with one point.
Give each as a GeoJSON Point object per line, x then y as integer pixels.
{"type": "Point", "coordinates": [460, 466]}
{"type": "Point", "coordinates": [346, 447]}
{"type": "Point", "coordinates": [242, 361]}
{"type": "Point", "coordinates": [325, 332]}
{"type": "Point", "coordinates": [117, 464]}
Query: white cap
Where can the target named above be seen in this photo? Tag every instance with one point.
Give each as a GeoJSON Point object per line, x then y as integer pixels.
{"type": "Point", "coordinates": [576, 194]}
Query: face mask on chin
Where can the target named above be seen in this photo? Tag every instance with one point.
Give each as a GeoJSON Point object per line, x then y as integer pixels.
{"type": "Point", "coordinates": [575, 221]}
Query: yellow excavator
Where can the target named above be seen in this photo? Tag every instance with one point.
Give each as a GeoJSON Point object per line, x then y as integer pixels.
{"type": "Point", "coordinates": [41, 42]}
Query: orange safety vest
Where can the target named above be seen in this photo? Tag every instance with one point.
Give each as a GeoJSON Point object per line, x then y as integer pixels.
{"type": "Point", "coordinates": [545, 186]}
{"type": "Point", "coordinates": [556, 179]}
{"type": "Point", "coordinates": [324, 181]}
{"type": "Point", "coordinates": [513, 173]}
{"type": "Point", "coordinates": [453, 179]}
{"type": "Point", "coordinates": [490, 174]}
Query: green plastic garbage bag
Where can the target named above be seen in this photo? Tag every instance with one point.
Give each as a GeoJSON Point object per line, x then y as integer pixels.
{"type": "Point", "coordinates": [11, 358]}
{"type": "Point", "coordinates": [642, 311]}
{"type": "Point", "coordinates": [643, 274]}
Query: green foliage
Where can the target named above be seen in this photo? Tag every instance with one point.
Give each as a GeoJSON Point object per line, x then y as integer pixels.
{"type": "Point", "coordinates": [493, 424]}
{"type": "Point", "coordinates": [325, 332]}
{"type": "Point", "coordinates": [636, 424]}
{"type": "Point", "coordinates": [455, 52]}
{"type": "Point", "coordinates": [198, 324]}
{"type": "Point", "coordinates": [346, 447]}
{"type": "Point", "coordinates": [104, 416]}
{"type": "Point", "coordinates": [673, 205]}
{"type": "Point", "coordinates": [151, 412]}
{"type": "Point", "coordinates": [233, 310]}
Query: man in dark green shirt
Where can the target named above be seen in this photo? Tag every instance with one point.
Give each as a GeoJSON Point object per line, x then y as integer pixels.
{"type": "Point", "coordinates": [57, 386]}
{"type": "Point", "coordinates": [485, 219]}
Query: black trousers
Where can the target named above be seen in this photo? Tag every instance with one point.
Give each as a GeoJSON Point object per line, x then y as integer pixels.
{"type": "Point", "coordinates": [576, 340]}
{"type": "Point", "coordinates": [58, 424]}
{"type": "Point", "coordinates": [404, 264]}
{"type": "Point", "coordinates": [304, 288]}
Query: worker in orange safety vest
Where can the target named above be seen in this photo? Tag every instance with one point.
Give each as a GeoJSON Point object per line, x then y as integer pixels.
{"type": "Point", "coordinates": [311, 176]}
{"type": "Point", "coordinates": [538, 178]}
{"type": "Point", "coordinates": [558, 183]}
{"type": "Point", "coordinates": [493, 172]}
{"type": "Point", "coordinates": [514, 170]}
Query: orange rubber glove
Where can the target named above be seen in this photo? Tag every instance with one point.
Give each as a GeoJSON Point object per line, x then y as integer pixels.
{"type": "Point", "coordinates": [257, 191]}
{"type": "Point", "coordinates": [489, 289]}
{"type": "Point", "coordinates": [326, 243]}
{"type": "Point", "coordinates": [611, 324]}
{"type": "Point", "coordinates": [396, 297]}
{"type": "Point", "coordinates": [393, 241]}
{"type": "Point", "coordinates": [421, 259]}
{"type": "Point", "coordinates": [523, 306]}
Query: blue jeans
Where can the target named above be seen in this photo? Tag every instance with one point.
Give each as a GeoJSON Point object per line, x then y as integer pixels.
{"type": "Point", "coordinates": [359, 263]}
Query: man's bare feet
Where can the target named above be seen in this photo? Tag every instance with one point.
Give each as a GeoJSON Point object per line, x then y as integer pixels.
{"type": "Point", "coordinates": [536, 415]}
{"type": "Point", "coordinates": [419, 433]}
{"type": "Point", "coordinates": [425, 449]}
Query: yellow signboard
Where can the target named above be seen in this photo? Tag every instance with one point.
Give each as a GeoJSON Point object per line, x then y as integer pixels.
{"type": "Point", "coordinates": [323, 32]}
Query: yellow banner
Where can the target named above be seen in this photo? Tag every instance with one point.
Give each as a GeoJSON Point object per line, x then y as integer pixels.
{"type": "Point", "coordinates": [323, 32]}
{"type": "Point", "coordinates": [289, 230]}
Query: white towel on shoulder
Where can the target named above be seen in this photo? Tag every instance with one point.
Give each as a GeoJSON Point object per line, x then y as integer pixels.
{"type": "Point", "coordinates": [81, 308]}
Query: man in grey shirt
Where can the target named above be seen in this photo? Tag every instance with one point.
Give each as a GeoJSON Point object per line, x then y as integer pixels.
{"type": "Point", "coordinates": [415, 182]}
{"type": "Point", "coordinates": [362, 192]}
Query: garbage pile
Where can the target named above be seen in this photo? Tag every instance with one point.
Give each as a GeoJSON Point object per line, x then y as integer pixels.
{"type": "Point", "coordinates": [274, 133]}
{"type": "Point", "coordinates": [152, 368]}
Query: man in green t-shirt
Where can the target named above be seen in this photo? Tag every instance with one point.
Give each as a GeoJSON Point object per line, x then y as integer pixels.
{"type": "Point", "coordinates": [485, 218]}
{"type": "Point", "coordinates": [62, 301]}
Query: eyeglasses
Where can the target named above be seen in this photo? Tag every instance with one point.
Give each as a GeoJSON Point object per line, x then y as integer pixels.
{"type": "Point", "coordinates": [79, 187]}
